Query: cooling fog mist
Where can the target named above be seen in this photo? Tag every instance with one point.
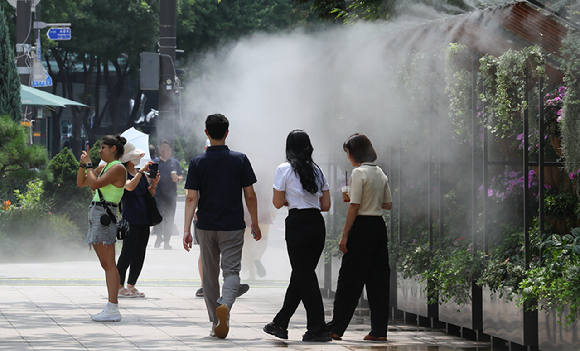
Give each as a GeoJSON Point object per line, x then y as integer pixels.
{"type": "Point", "coordinates": [382, 79]}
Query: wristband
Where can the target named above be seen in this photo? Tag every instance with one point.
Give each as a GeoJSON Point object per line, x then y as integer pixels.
{"type": "Point", "coordinates": [83, 165]}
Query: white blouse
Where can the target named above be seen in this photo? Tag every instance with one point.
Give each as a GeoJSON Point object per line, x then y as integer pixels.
{"type": "Point", "coordinates": [288, 181]}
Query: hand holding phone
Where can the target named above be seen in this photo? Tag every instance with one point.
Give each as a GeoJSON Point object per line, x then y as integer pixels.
{"type": "Point", "coordinates": [153, 169]}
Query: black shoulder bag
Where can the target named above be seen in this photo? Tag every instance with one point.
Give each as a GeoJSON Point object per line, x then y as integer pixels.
{"type": "Point", "coordinates": [154, 216]}
{"type": "Point", "coordinates": [122, 225]}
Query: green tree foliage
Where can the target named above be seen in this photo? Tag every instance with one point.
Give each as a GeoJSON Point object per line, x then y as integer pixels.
{"type": "Point", "coordinates": [61, 190]}
{"type": "Point", "coordinates": [18, 161]}
{"type": "Point", "coordinates": [205, 24]}
{"type": "Point", "coordinates": [9, 80]}
{"type": "Point", "coordinates": [108, 36]}
{"type": "Point", "coordinates": [348, 11]}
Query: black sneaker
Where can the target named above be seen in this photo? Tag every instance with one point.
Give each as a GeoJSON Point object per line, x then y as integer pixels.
{"type": "Point", "coordinates": [242, 289]}
{"type": "Point", "coordinates": [322, 337]}
{"type": "Point", "coordinates": [271, 329]}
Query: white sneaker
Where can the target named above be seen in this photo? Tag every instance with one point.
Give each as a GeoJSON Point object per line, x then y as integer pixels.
{"type": "Point", "coordinates": [109, 314]}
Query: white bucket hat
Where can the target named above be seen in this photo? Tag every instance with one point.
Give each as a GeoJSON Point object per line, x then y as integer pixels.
{"type": "Point", "coordinates": [132, 154]}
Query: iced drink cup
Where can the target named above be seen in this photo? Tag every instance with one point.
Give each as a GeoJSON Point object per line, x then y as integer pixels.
{"type": "Point", "coordinates": [345, 197]}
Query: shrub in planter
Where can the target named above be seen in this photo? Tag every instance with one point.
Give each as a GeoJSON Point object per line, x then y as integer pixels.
{"type": "Point", "coordinates": [62, 192]}
{"type": "Point", "coordinates": [453, 268]}
{"type": "Point", "coordinates": [560, 211]}
{"type": "Point", "coordinates": [555, 279]}
{"type": "Point", "coordinates": [506, 267]}
{"type": "Point", "coordinates": [30, 224]}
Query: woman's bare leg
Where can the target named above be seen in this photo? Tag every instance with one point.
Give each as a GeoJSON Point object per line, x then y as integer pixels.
{"type": "Point", "coordinates": [106, 254]}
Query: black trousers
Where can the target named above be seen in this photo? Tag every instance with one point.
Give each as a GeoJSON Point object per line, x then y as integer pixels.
{"type": "Point", "coordinates": [133, 253]}
{"type": "Point", "coordinates": [164, 229]}
{"type": "Point", "coordinates": [305, 235]}
{"type": "Point", "coordinates": [365, 264]}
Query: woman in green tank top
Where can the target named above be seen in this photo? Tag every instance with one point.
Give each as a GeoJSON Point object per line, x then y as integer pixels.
{"type": "Point", "coordinates": [110, 179]}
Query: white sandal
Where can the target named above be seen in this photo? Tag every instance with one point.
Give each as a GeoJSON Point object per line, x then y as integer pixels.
{"type": "Point", "coordinates": [136, 292]}
{"type": "Point", "coordinates": [124, 292]}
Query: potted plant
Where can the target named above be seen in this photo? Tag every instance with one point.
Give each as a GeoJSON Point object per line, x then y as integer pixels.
{"type": "Point", "coordinates": [554, 281]}
{"type": "Point", "coordinates": [560, 211]}
{"type": "Point", "coordinates": [500, 281]}
{"type": "Point", "coordinates": [411, 258]}
{"type": "Point", "coordinates": [454, 268]}
{"type": "Point", "coordinates": [505, 82]}
{"type": "Point", "coordinates": [570, 117]}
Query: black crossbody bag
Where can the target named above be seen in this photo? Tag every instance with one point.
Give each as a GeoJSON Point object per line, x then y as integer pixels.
{"type": "Point", "coordinates": [122, 224]}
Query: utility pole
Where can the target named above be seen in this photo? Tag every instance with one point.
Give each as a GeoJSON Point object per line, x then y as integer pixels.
{"type": "Point", "coordinates": [23, 39]}
{"type": "Point", "coordinates": [166, 125]}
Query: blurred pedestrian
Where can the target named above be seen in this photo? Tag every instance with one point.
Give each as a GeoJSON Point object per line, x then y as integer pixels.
{"type": "Point", "coordinates": [136, 214]}
{"type": "Point", "coordinates": [166, 195]}
{"type": "Point", "coordinates": [301, 185]}
{"type": "Point", "coordinates": [364, 243]}
{"type": "Point", "coordinates": [216, 180]}
{"type": "Point", "coordinates": [110, 179]}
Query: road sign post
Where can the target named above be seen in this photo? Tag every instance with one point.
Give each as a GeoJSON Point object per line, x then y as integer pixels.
{"type": "Point", "coordinates": [43, 83]}
{"type": "Point", "coordinates": [59, 34]}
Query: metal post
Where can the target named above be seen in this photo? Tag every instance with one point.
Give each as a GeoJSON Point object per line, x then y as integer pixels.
{"type": "Point", "coordinates": [391, 172]}
{"type": "Point", "coordinates": [23, 39]}
{"type": "Point", "coordinates": [399, 191]}
{"type": "Point", "coordinates": [541, 157]}
{"type": "Point", "coordinates": [167, 44]}
{"type": "Point", "coordinates": [526, 183]}
{"type": "Point", "coordinates": [429, 181]}
{"type": "Point", "coordinates": [485, 188]}
{"type": "Point", "coordinates": [440, 184]}
{"type": "Point", "coordinates": [474, 186]}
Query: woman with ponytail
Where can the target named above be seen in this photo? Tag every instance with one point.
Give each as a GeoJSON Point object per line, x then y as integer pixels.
{"type": "Point", "coordinates": [109, 178]}
{"type": "Point", "coordinates": [301, 185]}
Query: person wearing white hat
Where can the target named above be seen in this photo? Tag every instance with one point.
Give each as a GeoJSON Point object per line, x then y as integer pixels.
{"type": "Point", "coordinates": [135, 212]}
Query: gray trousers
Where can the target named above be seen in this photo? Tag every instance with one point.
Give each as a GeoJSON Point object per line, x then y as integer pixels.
{"type": "Point", "coordinates": [228, 245]}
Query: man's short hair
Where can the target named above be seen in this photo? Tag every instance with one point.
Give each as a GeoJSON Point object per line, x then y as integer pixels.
{"type": "Point", "coordinates": [167, 142]}
{"type": "Point", "coordinates": [217, 125]}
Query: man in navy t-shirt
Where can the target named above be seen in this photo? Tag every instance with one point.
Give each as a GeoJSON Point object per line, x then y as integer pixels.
{"type": "Point", "coordinates": [166, 194]}
{"type": "Point", "coordinates": [215, 183]}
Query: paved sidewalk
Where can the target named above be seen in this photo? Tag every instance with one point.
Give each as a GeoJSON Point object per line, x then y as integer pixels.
{"type": "Point", "coordinates": [47, 306]}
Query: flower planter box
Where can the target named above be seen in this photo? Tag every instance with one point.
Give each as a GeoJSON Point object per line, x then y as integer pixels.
{"type": "Point", "coordinates": [553, 336]}
{"type": "Point", "coordinates": [468, 315]}
{"type": "Point", "coordinates": [503, 319]}
{"type": "Point", "coordinates": [411, 296]}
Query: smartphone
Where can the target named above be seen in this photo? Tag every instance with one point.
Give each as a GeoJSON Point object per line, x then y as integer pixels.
{"type": "Point", "coordinates": [87, 146]}
{"type": "Point", "coordinates": [153, 169]}
{"type": "Point", "coordinates": [253, 234]}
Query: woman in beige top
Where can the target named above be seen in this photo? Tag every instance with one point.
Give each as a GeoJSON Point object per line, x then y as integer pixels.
{"type": "Point", "coordinates": [364, 243]}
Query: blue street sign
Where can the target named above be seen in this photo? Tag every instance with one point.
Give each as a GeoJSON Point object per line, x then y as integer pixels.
{"type": "Point", "coordinates": [46, 83]}
{"type": "Point", "coordinates": [59, 34]}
